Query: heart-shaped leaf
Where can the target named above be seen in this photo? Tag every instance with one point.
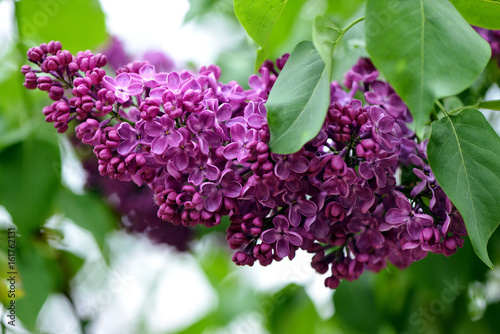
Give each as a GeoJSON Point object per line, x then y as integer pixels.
{"type": "Point", "coordinates": [325, 37]}
{"type": "Point", "coordinates": [258, 17]}
{"type": "Point", "coordinates": [425, 49]}
{"type": "Point", "coordinates": [481, 13]}
{"type": "Point", "coordinates": [464, 154]}
{"type": "Point", "coordinates": [299, 100]}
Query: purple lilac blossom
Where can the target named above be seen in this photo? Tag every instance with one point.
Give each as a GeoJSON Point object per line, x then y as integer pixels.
{"type": "Point", "coordinates": [201, 147]}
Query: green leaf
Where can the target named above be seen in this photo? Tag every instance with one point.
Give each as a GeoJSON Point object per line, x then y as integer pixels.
{"type": "Point", "coordinates": [425, 49]}
{"type": "Point", "coordinates": [78, 25]}
{"type": "Point", "coordinates": [199, 8]}
{"type": "Point", "coordinates": [343, 10]}
{"type": "Point", "coordinates": [29, 173]}
{"type": "Point", "coordinates": [89, 212]}
{"type": "Point", "coordinates": [36, 283]}
{"type": "Point", "coordinates": [464, 154]}
{"type": "Point", "coordinates": [299, 100]}
{"type": "Point", "coordinates": [481, 13]}
{"type": "Point", "coordinates": [355, 306]}
{"type": "Point", "coordinates": [325, 37]}
{"type": "Point", "coordinates": [259, 17]}
{"type": "Point", "coordinates": [290, 311]}
{"type": "Point", "coordinates": [492, 105]}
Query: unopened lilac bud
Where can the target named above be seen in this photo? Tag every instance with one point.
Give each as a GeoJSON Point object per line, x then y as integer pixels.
{"type": "Point", "coordinates": [54, 46]}
{"type": "Point", "coordinates": [262, 147]}
{"type": "Point", "coordinates": [335, 211]}
{"type": "Point", "coordinates": [87, 103]}
{"type": "Point", "coordinates": [367, 148]}
{"type": "Point", "coordinates": [261, 158]}
{"type": "Point", "coordinates": [65, 57]}
{"type": "Point", "coordinates": [100, 60]}
{"type": "Point", "coordinates": [338, 164]}
{"type": "Point", "coordinates": [242, 259]}
{"type": "Point", "coordinates": [52, 63]}
{"type": "Point", "coordinates": [236, 240]}
{"type": "Point", "coordinates": [30, 80]}
{"type": "Point", "coordinates": [61, 126]}
{"type": "Point", "coordinates": [35, 54]}
{"type": "Point", "coordinates": [56, 93]}
{"type": "Point", "coordinates": [332, 282]}
{"type": "Point", "coordinates": [73, 67]}
{"type": "Point", "coordinates": [25, 69]}
{"type": "Point", "coordinates": [44, 83]}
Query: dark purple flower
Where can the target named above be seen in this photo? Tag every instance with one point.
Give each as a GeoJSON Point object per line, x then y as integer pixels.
{"type": "Point", "coordinates": [241, 139]}
{"type": "Point", "coordinates": [286, 163]}
{"type": "Point", "coordinates": [405, 215]}
{"type": "Point", "coordinates": [338, 177]}
{"type": "Point", "coordinates": [131, 137]}
{"type": "Point", "coordinates": [362, 71]}
{"type": "Point", "coordinates": [202, 169]}
{"type": "Point", "coordinates": [282, 236]}
{"type": "Point", "coordinates": [164, 133]}
{"type": "Point", "coordinates": [215, 191]}
{"type": "Point", "coordinates": [383, 94]}
{"type": "Point", "coordinates": [382, 127]}
{"type": "Point", "coordinates": [179, 154]}
{"type": "Point", "coordinates": [202, 126]}
{"type": "Point", "coordinates": [297, 205]}
{"type": "Point", "coordinates": [89, 132]}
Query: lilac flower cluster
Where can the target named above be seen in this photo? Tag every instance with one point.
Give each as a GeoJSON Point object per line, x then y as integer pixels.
{"type": "Point", "coordinates": [358, 196]}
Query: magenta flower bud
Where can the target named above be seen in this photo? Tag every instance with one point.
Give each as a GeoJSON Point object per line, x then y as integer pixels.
{"type": "Point", "coordinates": [332, 282]}
{"type": "Point", "coordinates": [52, 63]}
{"type": "Point", "coordinates": [87, 103]}
{"type": "Point", "coordinates": [73, 67]}
{"type": "Point", "coordinates": [100, 60]}
{"type": "Point", "coordinates": [65, 57]}
{"type": "Point", "coordinates": [25, 69]}
{"type": "Point", "coordinates": [242, 259]}
{"type": "Point", "coordinates": [335, 211]}
{"type": "Point", "coordinates": [236, 240]}
{"type": "Point", "coordinates": [35, 54]}
{"type": "Point", "coordinates": [262, 147]}
{"type": "Point", "coordinates": [54, 46]}
{"type": "Point", "coordinates": [44, 83]}
{"type": "Point", "coordinates": [30, 80]}
{"type": "Point", "coordinates": [61, 126]}
{"type": "Point", "coordinates": [338, 164]}
{"type": "Point", "coordinates": [56, 92]}
{"type": "Point", "coordinates": [367, 148]}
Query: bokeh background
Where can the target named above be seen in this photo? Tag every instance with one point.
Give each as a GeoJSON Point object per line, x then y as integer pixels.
{"type": "Point", "coordinates": [93, 258]}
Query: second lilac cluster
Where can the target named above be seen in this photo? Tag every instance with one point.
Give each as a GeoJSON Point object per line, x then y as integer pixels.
{"type": "Point", "coordinates": [358, 196]}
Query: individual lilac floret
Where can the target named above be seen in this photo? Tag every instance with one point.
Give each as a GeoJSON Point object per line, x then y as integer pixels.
{"type": "Point", "coordinates": [123, 86]}
{"type": "Point", "coordinates": [405, 215]}
{"type": "Point", "coordinates": [216, 191]}
{"type": "Point", "coordinates": [164, 132]}
{"type": "Point", "coordinates": [285, 164]}
{"type": "Point", "coordinates": [89, 132]}
{"type": "Point", "coordinates": [282, 236]}
{"type": "Point", "coordinates": [241, 140]}
{"type": "Point", "coordinates": [131, 138]}
{"type": "Point", "coordinates": [202, 168]}
{"type": "Point", "coordinates": [202, 126]}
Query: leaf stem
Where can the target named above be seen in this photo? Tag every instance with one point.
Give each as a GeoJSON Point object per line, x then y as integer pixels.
{"type": "Point", "coordinates": [443, 109]}
{"type": "Point", "coordinates": [346, 29]}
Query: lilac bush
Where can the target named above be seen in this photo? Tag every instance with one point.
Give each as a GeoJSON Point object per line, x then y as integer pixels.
{"type": "Point", "coordinates": [358, 196]}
